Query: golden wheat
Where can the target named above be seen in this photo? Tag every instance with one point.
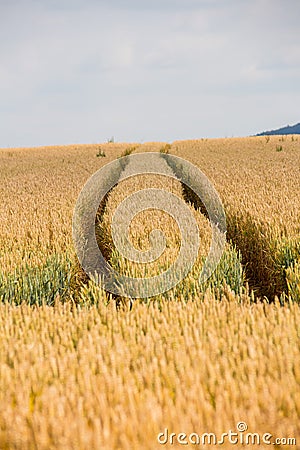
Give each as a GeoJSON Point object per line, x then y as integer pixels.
{"type": "Point", "coordinates": [89, 376]}
{"type": "Point", "coordinates": [101, 379]}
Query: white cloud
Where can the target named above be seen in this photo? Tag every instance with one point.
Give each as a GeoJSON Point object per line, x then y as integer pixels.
{"type": "Point", "coordinates": [82, 71]}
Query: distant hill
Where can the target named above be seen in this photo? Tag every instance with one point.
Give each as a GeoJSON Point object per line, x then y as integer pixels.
{"type": "Point", "coordinates": [294, 129]}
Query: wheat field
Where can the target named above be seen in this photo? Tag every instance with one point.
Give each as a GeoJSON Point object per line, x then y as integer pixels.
{"type": "Point", "coordinates": [82, 369]}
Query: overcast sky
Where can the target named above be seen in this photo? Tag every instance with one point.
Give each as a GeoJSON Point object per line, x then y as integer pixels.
{"type": "Point", "coordinates": [82, 71]}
